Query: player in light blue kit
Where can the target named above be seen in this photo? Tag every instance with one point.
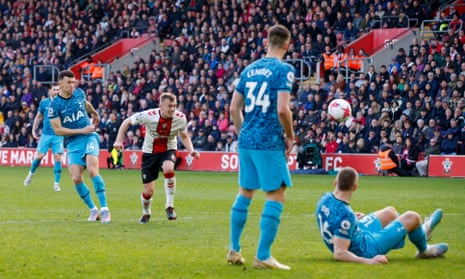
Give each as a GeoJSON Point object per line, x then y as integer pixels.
{"type": "Point", "coordinates": [354, 237]}
{"type": "Point", "coordinates": [69, 117]}
{"type": "Point", "coordinates": [47, 140]}
{"type": "Point", "coordinates": [266, 137]}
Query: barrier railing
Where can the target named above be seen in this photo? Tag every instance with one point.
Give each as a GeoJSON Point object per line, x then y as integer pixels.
{"type": "Point", "coordinates": [395, 19]}
{"type": "Point", "coordinates": [51, 72]}
{"type": "Point", "coordinates": [343, 69]}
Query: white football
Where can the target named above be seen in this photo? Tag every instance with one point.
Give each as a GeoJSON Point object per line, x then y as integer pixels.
{"type": "Point", "coordinates": [339, 110]}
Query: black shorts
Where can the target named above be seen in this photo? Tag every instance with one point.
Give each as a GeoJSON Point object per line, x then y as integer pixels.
{"type": "Point", "coordinates": [151, 164]}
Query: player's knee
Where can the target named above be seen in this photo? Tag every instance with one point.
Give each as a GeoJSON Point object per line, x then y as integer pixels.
{"type": "Point", "coordinates": [391, 211]}
{"type": "Point", "coordinates": [413, 216]}
{"type": "Point", "coordinates": [76, 179]}
{"type": "Point", "coordinates": [148, 190]}
{"type": "Point", "coordinates": [168, 169]}
{"type": "Point", "coordinates": [39, 156]}
{"type": "Point", "coordinates": [93, 172]}
{"type": "Point", "coordinates": [57, 157]}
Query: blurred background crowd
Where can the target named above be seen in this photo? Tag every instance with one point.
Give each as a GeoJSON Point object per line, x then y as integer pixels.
{"type": "Point", "coordinates": [411, 103]}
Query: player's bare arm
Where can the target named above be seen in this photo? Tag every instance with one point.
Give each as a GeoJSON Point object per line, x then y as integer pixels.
{"type": "Point", "coordinates": [342, 253]}
{"type": "Point", "coordinates": [285, 117]}
{"type": "Point", "coordinates": [237, 104]}
{"type": "Point", "coordinates": [121, 133]}
{"type": "Point", "coordinates": [62, 131]}
{"type": "Point", "coordinates": [95, 116]}
{"type": "Point", "coordinates": [35, 124]}
{"type": "Point", "coordinates": [186, 141]}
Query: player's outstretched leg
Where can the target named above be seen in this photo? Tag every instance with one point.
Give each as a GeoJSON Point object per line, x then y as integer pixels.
{"type": "Point", "coordinates": [34, 166]}
{"type": "Point", "coordinates": [433, 251]}
{"type": "Point", "coordinates": [28, 179]}
{"type": "Point", "coordinates": [431, 222]}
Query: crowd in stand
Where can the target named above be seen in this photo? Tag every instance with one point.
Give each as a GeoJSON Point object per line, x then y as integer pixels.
{"type": "Point", "coordinates": [418, 97]}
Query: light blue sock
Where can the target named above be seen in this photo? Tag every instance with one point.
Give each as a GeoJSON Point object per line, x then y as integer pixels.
{"type": "Point", "coordinates": [239, 212]}
{"type": "Point", "coordinates": [84, 193]}
{"type": "Point", "coordinates": [269, 224]}
{"type": "Point", "coordinates": [34, 166]}
{"type": "Point", "coordinates": [418, 238]}
{"type": "Point", "coordinates": [99, 187]}
{"type": "Point", "coordinates": [57, 171]}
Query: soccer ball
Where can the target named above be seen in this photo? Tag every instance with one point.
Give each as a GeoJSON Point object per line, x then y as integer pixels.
{"type": "Point", "coordinates": [339, 110]}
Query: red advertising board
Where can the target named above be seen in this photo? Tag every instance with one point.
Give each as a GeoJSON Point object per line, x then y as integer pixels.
{"type": "Point", "coordinates": [367, 164]}
{"type": "Point", "coordinates": [446, 166]}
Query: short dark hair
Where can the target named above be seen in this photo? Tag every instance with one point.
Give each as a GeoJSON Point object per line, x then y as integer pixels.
{"type": "Point", "coordinates": [65, 73]}
{"type": "Point", "coordinates": [346, 178]}
{"type": "Point", "coordinates": [278, 35]}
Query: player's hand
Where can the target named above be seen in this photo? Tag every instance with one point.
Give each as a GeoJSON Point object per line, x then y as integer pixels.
{"type": "Point", "coordinates": [195, 154]}
{"type": "Point", "coordinates": [288, 143]}
{"type": "Point", "coordinates": [118, 145]}
{"type": "Point", "coordinates": [34, 135]}
{"type": "Point", "coordinates": [96, 120]}
{"type": "Point", "coordinates": [88, 129]}
{"type": "Point", "coordinates": [379, 259]}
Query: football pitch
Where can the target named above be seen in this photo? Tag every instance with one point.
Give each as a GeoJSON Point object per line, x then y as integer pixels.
{"type": "Point", "coordinates": [44, 234]}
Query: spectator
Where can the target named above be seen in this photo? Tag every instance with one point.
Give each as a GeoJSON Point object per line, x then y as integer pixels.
{"type": "Point", "coordinates": [409, 157]}
{"type": "Point", "coordinates": [350, 32]}
{"type": "Point", "coordinates": [389, 163]}
{"type": "Point", "coordinates": [330, 144]}
{"type": "Point", "coordinates": [200, 140]}
{"type": "Point", "coordinates": [449, 144]}
{"type": "Point", "coordinates": [230, 145]}
{"type": "Point", "coordinates": [398, 145]}
{"type": "Point", "coordinates": [361, 147]}
{"type": "Point", "coordinates": [422, 165]}
{"type": "Point", "coordinates": [210, 145]}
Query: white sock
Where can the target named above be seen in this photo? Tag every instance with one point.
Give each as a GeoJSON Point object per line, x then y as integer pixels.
{"type": "Point", "coordinates": [170, 190]}
{"type": "Point", "coordinates": [146, 205]}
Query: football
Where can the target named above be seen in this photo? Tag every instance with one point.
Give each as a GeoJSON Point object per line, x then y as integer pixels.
{"type": "Point", "coordinates": [339, 110]}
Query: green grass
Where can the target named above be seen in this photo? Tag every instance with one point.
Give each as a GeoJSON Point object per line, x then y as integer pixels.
{"type": "Point", "coordinates": [44, 233]}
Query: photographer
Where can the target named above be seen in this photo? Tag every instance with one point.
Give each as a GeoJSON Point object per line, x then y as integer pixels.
{"type": "Point", "coordinates": [309, 155]}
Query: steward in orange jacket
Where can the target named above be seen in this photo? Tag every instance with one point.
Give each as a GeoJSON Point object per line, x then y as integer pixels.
{"type": "Point", "coordinates": [389, 161]}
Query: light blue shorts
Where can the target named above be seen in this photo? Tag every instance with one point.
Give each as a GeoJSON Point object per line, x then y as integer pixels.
{"type": "Point", "coordinates": [266, 170]}
{"type": "Point", "coordinates": [47, 142]}
{"type": "Point", "coordinates": [81, 146]}
{"type": "Point", "coordinates": [382, 240]}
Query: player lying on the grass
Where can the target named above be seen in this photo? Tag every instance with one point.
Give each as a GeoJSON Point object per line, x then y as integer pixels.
{"type": "Point", "coordinates": [354, 237]}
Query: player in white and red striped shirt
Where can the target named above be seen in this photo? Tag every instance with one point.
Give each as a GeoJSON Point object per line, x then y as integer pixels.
{"type": "Point", "coordinates": [163, 125]}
